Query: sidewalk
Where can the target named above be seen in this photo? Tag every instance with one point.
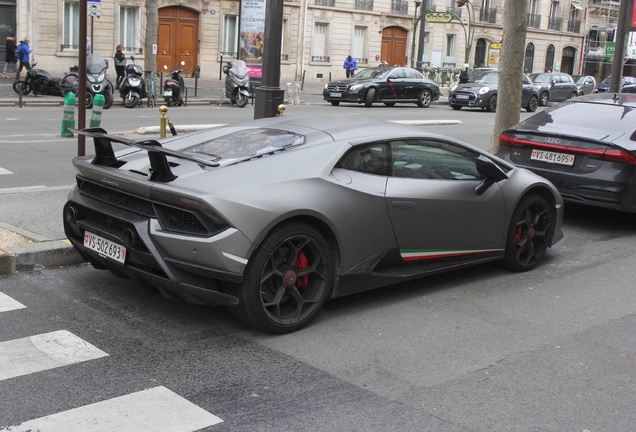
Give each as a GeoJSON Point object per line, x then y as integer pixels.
{"type": "Point", "coordinates": [21, 249]}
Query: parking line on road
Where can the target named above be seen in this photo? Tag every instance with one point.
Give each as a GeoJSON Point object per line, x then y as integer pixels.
{"type": "Point", "coordinates": [153, 410]}
{"type": "Point", "coordinates": [4, 171]}
{"type": "Point", "coordinates": [8, 304]}
{"type": "Point", "coordinates": [45, 351]}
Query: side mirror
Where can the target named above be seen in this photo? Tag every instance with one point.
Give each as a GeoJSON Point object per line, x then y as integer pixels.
{"type": "Point", "coordinates": [132, 58]}
{"type": "Point", "coordinates": [553, 82]}
{"type": "Point", "coordinates": [491, 173]}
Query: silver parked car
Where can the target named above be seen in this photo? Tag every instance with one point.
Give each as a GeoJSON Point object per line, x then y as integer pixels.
{"type": "Point", "coordinates": [586, 84]}
{"type": "Point", "coordinates": [273, 217]}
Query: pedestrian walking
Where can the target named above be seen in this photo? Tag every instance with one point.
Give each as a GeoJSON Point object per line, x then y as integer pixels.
{"type": "Point", "coordinates": [120, 66]}
{"type": "Point", "coordinates": [10, 57]}
{"type": "Point", "coordinates": [23, 53]}
{"type": "Point", "coordinates": [350, 65]}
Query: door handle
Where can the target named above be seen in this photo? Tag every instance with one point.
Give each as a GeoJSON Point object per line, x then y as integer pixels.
{"type": "Point", "coordinates": [404, 205]}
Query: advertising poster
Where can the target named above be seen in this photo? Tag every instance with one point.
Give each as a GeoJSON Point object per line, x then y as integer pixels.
{"type": "Point", "coordinates": [494, 50]}
{"type": "Point", "coordinates": [633, 25]}
{"type": "Point", "coordinates": [252, 39]}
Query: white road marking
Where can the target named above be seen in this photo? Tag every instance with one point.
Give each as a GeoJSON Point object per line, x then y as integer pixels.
{"type": "Point", "coordinates": [37, 188]}
{"type": "Point", "coordinates": [4, 171]}
{"type": "Point", "coordinates": [46, 351]}
{"type": "Point", "coordinates": [153, 410]}
{"type": "Point", "coordinates": [8, 304]}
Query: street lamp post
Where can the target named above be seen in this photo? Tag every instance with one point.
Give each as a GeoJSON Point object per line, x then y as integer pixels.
{"type": "Point", "coordinates": [415, 21]}
{"type": "Point", "coordinates": [468, 30]}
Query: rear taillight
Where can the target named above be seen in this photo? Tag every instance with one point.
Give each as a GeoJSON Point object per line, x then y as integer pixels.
{"type": "Point", "coordinates": [608, 154]}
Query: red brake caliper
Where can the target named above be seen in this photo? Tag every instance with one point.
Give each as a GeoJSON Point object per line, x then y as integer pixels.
{"type": "Point", "coordinates": [301, 263]}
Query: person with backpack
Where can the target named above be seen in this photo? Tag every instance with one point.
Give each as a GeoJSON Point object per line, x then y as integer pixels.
{"type": "Point", "coordinates": [350, 65]}
{"type": "Point", "coordinates": [10, 57]}
{"type": "Point", "coordinates": [22, 53]}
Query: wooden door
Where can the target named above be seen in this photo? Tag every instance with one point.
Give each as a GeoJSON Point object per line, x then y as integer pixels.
{"type": "Point", "coordinates": [177, 39]}
{"type": "Point", "coordinates": [393, 49]}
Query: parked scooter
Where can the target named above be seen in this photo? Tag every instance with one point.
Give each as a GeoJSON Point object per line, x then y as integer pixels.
{"type": "Point", "coordinates": [174, 87]}
{"type": "Point", "coordinates": [236, 81]}
{"type": "Point", "coordinates": [96, 81]}
{"type": "Point", "coordinates": [133, 88]}
{"type": "Point", "coordinates": [40, 82]}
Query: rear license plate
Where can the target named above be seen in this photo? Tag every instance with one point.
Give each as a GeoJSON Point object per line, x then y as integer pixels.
{"type": "Point", "coordinates": [460, 96]}
{"type": "Point", "coordinates": [552, 157]}
{"type": "Point", "coordinates": [335, 94]}
{"type": "Point", "coordinates": [167, 93]}
{"type": "Point", "coordinates": [105, 247]}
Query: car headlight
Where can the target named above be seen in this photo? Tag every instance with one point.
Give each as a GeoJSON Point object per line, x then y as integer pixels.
{"type": "Point", "coordinates": [484, 90]}
{"type": "Point", "coordinates": [355, 87]}
{"type": "Point", "coordinates": [326, 86]}
{"type": "Point", "coordinates": [453, 87]}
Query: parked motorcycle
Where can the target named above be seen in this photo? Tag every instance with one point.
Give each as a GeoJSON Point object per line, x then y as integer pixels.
{"type": "Point", "coordinates": [174, 87]}
{"type": "Point", "coordinates": [40, 82]}
{"type": "Point", "coordinates": [96, 81]}
{"type": "Point", "coordinates": [236, 82]}
{"type": "Point", "coordinates": [133, 88]}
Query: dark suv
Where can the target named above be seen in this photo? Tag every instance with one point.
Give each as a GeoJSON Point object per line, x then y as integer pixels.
{"type": "Point", "coordinates": [603, 86]}
{"type": "Point", "coordinates": [555, 87]}
{"type": "Point", "coordinates": [482, 93]}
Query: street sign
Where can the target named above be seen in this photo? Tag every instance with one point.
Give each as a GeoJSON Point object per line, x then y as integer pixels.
{"type": "Point", "coordinates": [94, 8]}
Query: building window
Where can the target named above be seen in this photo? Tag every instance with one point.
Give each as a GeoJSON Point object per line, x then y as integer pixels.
{"type": "Point", "coordinates": [554, 20]}
{"type": "Point", "coordinates": [129, 35]}
{"type": "Point", "coordinates": [319, 48]}
{"type": "Point", "coordinates": [71, 26]}
{"type": "Point", "coordinates": [529, 60]}
{"type": "Point", "coordinates": [449, 53]}
{"type": "Point", "coordinates": [534, 19]}
{"type": "Point", "coordinates": [364, 5]}
{"type": "Point", "coordinates": [284, 43]}
{"type": "Point", "coordinates": [400, 6]}
{"type": "Point", "coordinates": [230, 36]}
{"type": "Point", "coordinates": [358, 49]}
{"type": "Point", "coordinates": [549, 58]}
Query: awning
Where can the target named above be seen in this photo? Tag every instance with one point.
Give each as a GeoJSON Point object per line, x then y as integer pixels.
{"type": "Point", "coordinates": [576, 5]}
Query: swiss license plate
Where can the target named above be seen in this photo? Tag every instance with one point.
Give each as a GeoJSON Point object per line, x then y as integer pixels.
{"type": "Point", "coordinates": [105, 247]}
{"type": "Point", "coordinates": [552, 157]}
{"type": "Point", "coordinates": [167, 93]}
{"type": "Point", "coordinates": [461, 96]}
{"type": "Point", "coordinates": [335, 94]}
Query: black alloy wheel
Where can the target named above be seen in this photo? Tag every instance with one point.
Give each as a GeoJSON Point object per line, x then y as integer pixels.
{"type": "Point", "coordinates": [491, 105]}
{"type": "Point", "coordinates": [287, 280]}
{"type": "Point", "coordinates": [22, 85]}
{"type": "Point", "coordinates": [369, 98]}
{"type": "Point", "coordinates": [533, 103]}
{"type": "Point", "coordinates": [528, 233]}
{"type": "Point", "coordinates": [335, 103]}
{"type": "Point", "coordinates": [544, 99]}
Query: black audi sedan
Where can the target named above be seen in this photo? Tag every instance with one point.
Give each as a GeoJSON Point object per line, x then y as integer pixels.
{"type": "Point", "coordinates": [387, 85]}
{"type": "Point", "coordinates": [585, 146]}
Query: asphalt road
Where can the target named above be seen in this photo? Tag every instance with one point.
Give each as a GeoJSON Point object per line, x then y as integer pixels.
{"type": "Point", "coordinates": [477, 350]}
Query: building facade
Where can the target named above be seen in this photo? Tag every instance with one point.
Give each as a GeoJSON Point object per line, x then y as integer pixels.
{"type": "Point", "coordinates": [562, 35]}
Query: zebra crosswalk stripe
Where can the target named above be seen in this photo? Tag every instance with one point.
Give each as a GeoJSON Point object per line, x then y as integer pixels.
{"type": "Point", "coordinates": [153, 410]}
{"type": "Point", "coordinates": [46, 351]}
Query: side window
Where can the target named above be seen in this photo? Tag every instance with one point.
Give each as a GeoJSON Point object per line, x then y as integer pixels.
{"type": "Point", "coordinates": [370, 159]}
{"type": "Point", "coordinates": [424, 159]}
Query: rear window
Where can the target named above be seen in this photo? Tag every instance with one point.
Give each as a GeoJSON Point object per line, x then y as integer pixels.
{"type": "Point", "coordinates": [247, 143]}
{"type": "Point", "coordinates": [600, 117]}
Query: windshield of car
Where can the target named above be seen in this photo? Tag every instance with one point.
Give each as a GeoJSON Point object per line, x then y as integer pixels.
{"type": "Point", "coordinates": [606, 80]}
{"type": "Point", "coordinates": [247, 143]}
{"type": "Point", "coordinates": [540, 78]}
{"type": "Point", "coordinates": [486, 78]}
{"type": "Point", "coordinates": [579, 79]}
{"type": "Point", "coordinates": [371, 73]}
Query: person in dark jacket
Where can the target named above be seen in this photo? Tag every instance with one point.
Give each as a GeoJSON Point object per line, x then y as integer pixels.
{"type": "Point", "coordinates": [464, 77]}
{"type": "Point", "coordinates": [10, 57]}
{"type": "Point", "coordinates": [24, 55]}
{"type": "Point", "coordinates": [120, 66]}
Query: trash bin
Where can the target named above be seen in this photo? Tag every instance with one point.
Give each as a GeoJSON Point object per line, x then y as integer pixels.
{"type": "Point", "coordinates": [253, 84]}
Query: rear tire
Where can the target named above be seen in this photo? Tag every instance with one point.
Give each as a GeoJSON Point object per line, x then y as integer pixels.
{"type": "Point", "coordinates": [370, 96]}
{"type": "Point", "coordinates": [168, 100]}
{"type": "Point", "coordinates": [425, 99]}
{"type": "Point", "coordinates": [335, 103]}
{"type": "Point", "coordinates": [389, 104]}
{"type": "Point", "coordinates": [456, 107]}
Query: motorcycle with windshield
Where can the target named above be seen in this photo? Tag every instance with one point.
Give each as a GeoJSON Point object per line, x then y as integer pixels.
{"type": "Point", "coordinates": [40, 82]}
{"type": "Point", "coordinates": [96, 81]}
{"type": "Point", "coordinates": [236, 82]}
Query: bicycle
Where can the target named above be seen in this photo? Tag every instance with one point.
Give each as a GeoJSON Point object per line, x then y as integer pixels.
{"type": "Point", "coordinates": [152, 89]}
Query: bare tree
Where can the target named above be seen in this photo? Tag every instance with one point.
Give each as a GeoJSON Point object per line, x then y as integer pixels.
{"type": "Point", "coordinates": [152, 28]}
{"type": "Point", "coordinates": [513, 49]}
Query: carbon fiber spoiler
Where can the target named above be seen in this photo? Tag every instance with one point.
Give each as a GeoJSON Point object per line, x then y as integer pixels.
{"type": "Point", "coordinates": [158, 155]}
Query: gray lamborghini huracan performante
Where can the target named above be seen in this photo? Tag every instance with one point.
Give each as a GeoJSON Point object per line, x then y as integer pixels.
{"type": "Point", "coordinates": [272, 217]}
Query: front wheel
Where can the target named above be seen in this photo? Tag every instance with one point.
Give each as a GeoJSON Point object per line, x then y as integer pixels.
{"type": "Point", "coordinates": [532, 104]}
{"type": "Point", "coordinates": [491, 106]}
{"type": "Point", "coordinates": [131, 100]}
{"type": "Point", "coordinates": [456, 107]}
{"type": "Point", "coordinates": [425, 99]}
{"type": "Point", "coordinates": [241, 100]}
{"type": "Point", "coordinates": [89, 100]}
{"type": "Point", "coordinates": [287, 280]}
{"type": "Point", "coordinates": [109, 96]}
{"type": "Point", "coordinates": [544, 99]}
{"type": "Point", "coordinates": [335, 103]}
{"type": "Point", "coordinates": [368, 100]}
{"type": "Point", "coordinates": [168, 100]}
{"type": "Point", "coordinates": [22, 85]}
{"type": "Point", "coordinates": [527, 239]}
{"type": "Point", "coordinates": [69, 83]}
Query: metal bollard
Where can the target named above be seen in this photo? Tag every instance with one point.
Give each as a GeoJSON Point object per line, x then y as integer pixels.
{"type": "Point", "coordinates": [297, 94]}
{"type": "Point", "coordinates": [68, 120]}
{"type": "Point", "coordinates": [288, 92]}
{"type": "Point", "coordinates": [98, 106]}
{"type": "Point", "coordinates": [162, 122]}
{"type": "Point", "coordinates": [281, 110]}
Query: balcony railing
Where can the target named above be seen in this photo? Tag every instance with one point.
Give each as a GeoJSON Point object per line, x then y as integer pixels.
{"type": "Point", "coordinates": [364, 5]}
{"type": "Point", "coordinates": [400, 6]}
{"type": "Point", "coordinates": [320, 58]}
{"type": "Point", "coordinates": [534, 20]}
{"type": "Point", "coordinates": [455, 10]}
{"type": "Point", "coordinates": [574, 26]}
{"type": "Point", "coordinates": [555, 23]}
{"type": "Point", "coordinates": [488, 15]}
{"type": "Point", "coordinates": [331, 3]}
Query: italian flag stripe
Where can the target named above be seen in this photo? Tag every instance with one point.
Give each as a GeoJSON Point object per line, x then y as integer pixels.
{"type": "Point", "coordinates": [426, 254]}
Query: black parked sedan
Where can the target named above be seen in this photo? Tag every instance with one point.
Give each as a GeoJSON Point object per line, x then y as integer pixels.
{"type": "Point", "coordinates": [481, 92]}
{"type": "Point", "coordinates": [585, 146]}
{"type": "Point", "coordinates": [388, 85]}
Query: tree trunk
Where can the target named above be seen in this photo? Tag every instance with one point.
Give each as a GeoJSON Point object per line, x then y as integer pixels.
{"type": "Point", "coordinates": [513, 50]}
{"type": "Point", "coordinates": [152, 28]}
